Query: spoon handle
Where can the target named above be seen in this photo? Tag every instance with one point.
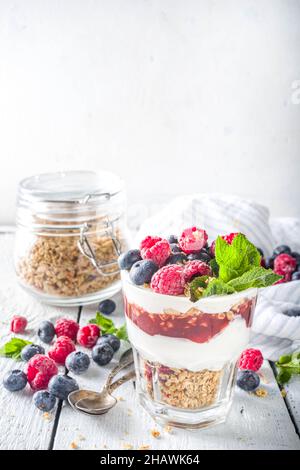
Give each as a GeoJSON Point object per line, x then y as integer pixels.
{"type": "Point", "coordinates": [122, 364]}
{"type": "Point", "coordinates": [129, 376]}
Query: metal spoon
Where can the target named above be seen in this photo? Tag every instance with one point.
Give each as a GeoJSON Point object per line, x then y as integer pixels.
{"type": "Point", "coordinates": [90, 402]}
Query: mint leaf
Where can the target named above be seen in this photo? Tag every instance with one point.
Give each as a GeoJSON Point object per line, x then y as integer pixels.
{"type": "Point", "coordinates": [284, 359]}
{"type": "Point", "coordinates": [13, 348]}
{"type": "Point", "coordinates": [106, 325]}
{"type": "Point", "coordinates": [217, 287]}
{"type": "Point", "coordinates": [288, 366]}
{"type": "Point", "coordinates": [196, 287]}
{"type": "Point", "coordinates": [283, 376]}
{"type": "Point", "coordinates": [255, 277]}
{"type": "Point", "coordinates": [214, 266]}
{"type": "Point", "coordinates": [121, 333]}
{"type": "Point", "coordinates": [237, 258]}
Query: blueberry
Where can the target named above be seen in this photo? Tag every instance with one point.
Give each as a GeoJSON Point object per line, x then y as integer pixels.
{"type": "Point", "coordinates": [107, 306]}
{"type": "Point", "coordinates": [296, 255]}
{"type": "Point", "coordinates": [46, 331]}
{"type": "Point", "coordinates": [61, 385]}
{"type": "Point", "coordinates": [112, 340]}
{"type": "Point", "coordinates": [172, 239]}
{"type": "Point", "coordinates": [260, 251]}
{"type": "Point", "coordinates": [31, 350]}
{"type": "Point", "coordinates": [281, 249]}
{"type": "Point", "coordinates": [292, 312]}
{"type": "Point", "coordinates": [15, 380]}
{"type": "Point", "coordinates": [102, 354]}
{"type": "Point", "coordinates": [200, 255]}
{"type": "Point", "coordinates": [78, 362]}
{"type": "Point", "coordinates": [126, 260]}
{"type": "Point", "coordinates": [142, 271]}
{"type": "Point", "coordinates": [296, 276]}
{"type": "Point", "coordinates": [248, 380]}
{"type": "Point", "coordinates": [270, 262]}
{"type": "Point", "coordinates": [44, 400]}
{"type": "Point", "coordinates": [177, 258]}
{"type": "Point", "coordinates": [175, 248]}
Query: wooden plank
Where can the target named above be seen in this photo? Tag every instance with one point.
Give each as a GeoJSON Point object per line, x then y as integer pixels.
{"type": "Point", "coordinates": [253, 423]}
{"type": "Point", "coordinates": [22, 425]}
{"type": "Point", "coordinates": [293, 400]}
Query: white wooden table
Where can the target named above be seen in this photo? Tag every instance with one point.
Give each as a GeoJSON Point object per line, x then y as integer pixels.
{"type": "Point", "coordinates": [254, 423]}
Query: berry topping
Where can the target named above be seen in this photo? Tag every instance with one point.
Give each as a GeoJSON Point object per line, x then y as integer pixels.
{"type": "Point", "coordinates": [31, 350]}
{"type": "Point", "coordinates": [284, 264]}
{"type": "Point", "coordinates": [44, 400]}
{"type": "Point", "coordinates": [229, 238]}
{"type": "Point", "coordinates": [126, 260]}
{"type": "Point", "coordinates": [195, 268]}
{"type": "Point", "coordinates": [200, 255]}
{"type": "Point", "coordinates": [46, 331]}
{"type": "Point", "coordinates": [169, 280]}
{"type": "Point", "coordinates": [281, 249]}
{"type": "Point", "coordinates": [192, 240]}
{"type": "Point", "coordinates": [247, 380]}
{"type": "Point", "coordinates": [61, 385]}
{"type": "Point", "coordinates": [107, 306]}
{"type": "Point", "coordinates": [18, 324]}
{"type": "Point", "coordinates": [62, 347]}
{"type": "Point", "coordinates": [177, 258]}
{"type": "Point", "coordinates": [78, 362]}
{"type": "Point", "coordinates": [296, 276]}
{"type": "Point", "coordinates": [87, 335]}
{"type": "Point", "coordinates": [212, 249]}
{"type": "Point", "coordinates": [251, 359]}
{"type": "Point", "coordinates": [102, 354]}
{"type": "Point", "coordinates": [112, 340]}
{"type": "Point", "coordinates": [142, 272]}
{"type": "Point", "coordinates": [66, 327]}
{"type": "Point", "coordinates": [172, 239]}
{"type": "Point", "coordinates": [175, 248]}
{"type": "Point", "coordinates": [155, 249]}
{"type": "Point", "coordinates": [269, 262]}
{"type": "Point", "coordinates": [40, 369]}
{"type": "Point", "coordinates": [15, 380]}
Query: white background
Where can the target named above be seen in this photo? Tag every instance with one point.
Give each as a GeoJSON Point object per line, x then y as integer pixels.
{"type": "Point", "coordinates": [175, 95]}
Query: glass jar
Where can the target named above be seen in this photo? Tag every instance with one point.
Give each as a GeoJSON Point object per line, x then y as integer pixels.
{"type": "Point", "coordinates": [71, 228]}
{"type": "Point", "coordinates": [186, 353]}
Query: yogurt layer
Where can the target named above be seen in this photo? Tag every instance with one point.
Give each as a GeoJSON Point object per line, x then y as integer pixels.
{"type": "Point", "coordinates": [183, 353]}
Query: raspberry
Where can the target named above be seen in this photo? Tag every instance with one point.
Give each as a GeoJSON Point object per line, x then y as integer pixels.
{"type": "Point", "coordinates": [87, 335]}
{"type": "Point", "coordinates": [169, 280]}
{"type": "Point", "coordinates": [62, 347]}
{"type": "Point", "coordinates": [156, 249]}
{"type": "Point", "coordinates": [286, 278]}
{"type": "Point", "coordinates": [195, 268]}
{"type": "Point", "coordinates": [40, 369]}
{"type": "Point", "coordinates": [192, 239]}
{"type": "Point", "coordinates": [66, 327]}
{"type": "Point", "coordinates": [251, 359]}
{"type": "Point", "coordinates": [284, 264]}
{"type": "Point", "coordinates": [18, 324]}
{"type": "Point", "coordinates": [229, 238]}
{"type": "Point", "coordinates": [212, 249]}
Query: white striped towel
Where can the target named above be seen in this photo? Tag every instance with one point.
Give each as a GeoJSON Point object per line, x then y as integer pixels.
{"type": "Point", "coordinates": [272, 331]}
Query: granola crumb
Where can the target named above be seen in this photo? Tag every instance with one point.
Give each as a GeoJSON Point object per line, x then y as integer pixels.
{"type": "Point", "coordinates": [73, 445]}
{"type": "Point", "coordinates": [47, 416]}
{"type": "Point", "coordinates": [121, 399]}
{"type": "Point", "coordinates": [168, 429]}
{"type": "Point", "coordinates": [261, 393]}
{"type": "Point", "coordinates": [283, 393]}
{"type": "Point", "coordinates": [155, 433]}
{"type": "Point", "coordinates": [144, 447]}
{"type": "Point", "coordinates": [127, 446]}
{"type": "Point", "coordinates": [105, 446]}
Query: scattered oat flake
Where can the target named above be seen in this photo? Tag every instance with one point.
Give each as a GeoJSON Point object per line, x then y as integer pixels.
{"type": "Point", "coordinates": [81, 437]}
{"type": "Point", "coordinates": [121, 399]}
{"type": "Point", "coordinates": [261, 392]}
{"type": "Point", "coordinates": [168, 429]}
{"type": "Point", "coordinates": [283, 393]}
{"type": "Point", "coordinates": [73, 445]}
{"type": "Point", "coordinates": [155, 433]}
{"type": "Point", "coordinates": [127, 446]}
{"type": "Point", "coordinates": [144, 447]}
{"type": "Point", "coordinates": [47, 416]}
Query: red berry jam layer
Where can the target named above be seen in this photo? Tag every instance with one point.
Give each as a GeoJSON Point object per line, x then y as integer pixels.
{"type": "Point", "coordinates": [194, 324]}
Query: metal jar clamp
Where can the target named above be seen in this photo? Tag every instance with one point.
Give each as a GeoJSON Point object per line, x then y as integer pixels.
{"type": "Point", "coordinates": [85, 247]}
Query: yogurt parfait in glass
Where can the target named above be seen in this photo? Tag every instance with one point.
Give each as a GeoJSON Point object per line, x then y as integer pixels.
{"type": "Point", "coordinates": [188, 320]}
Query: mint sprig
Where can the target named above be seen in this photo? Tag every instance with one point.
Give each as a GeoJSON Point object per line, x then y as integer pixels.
{"type": "Point", "coordinates": [255, 277]}
{"type": "Point", "coordinates": [107, 326]}
{"type": "Point", "coordinates": [13, 348]}
{"type": "Point", "coordinates": [288, 365]}
{"type": "Point", "coordinates": [236, 258]}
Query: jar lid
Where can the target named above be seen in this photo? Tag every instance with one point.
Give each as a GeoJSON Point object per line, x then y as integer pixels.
{"type": "Point", "coordinates": [70, 186]}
